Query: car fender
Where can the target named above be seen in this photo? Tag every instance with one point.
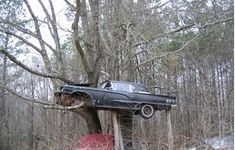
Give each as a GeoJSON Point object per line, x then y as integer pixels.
{"type": "Point", "coordinates": [84, 96]}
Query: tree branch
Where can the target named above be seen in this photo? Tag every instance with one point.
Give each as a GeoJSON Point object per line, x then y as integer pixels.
{"type": "Point", "coordinates": [13, 59]}
{"type": "Point", "coordinates": [45, 105]}
{"type": "Point", "coordinates": [22, 39]}
{"type": "Point", "coordinates": [164, 54]}
{"type": "Point", "coordinates": [22, 97]}
{"type": "Point", "coordinates": [70, 5]}
{"type": "Point", "coordinates": [76, 37]}
{"type": "Point", "coordinates": [183, 28]}
{"type": "Point", "coordinates": [215, 23]}
{"type": "Point", "coordinates": [44, 54]}
{"type": "Point", "coordinates": [147, 9]}
{"type": "Point", "coordinates": [65, 107]}
{"type": "Point", "coordinates": [26, 31]}
{"type": "Point", "coordinates": [52, 22]}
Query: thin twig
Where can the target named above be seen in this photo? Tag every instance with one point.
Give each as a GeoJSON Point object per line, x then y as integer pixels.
{"type": "Point", "coordinates": [151, 8]}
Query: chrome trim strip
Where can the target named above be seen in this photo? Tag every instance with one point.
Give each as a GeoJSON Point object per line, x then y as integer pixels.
{"type": "Point", "coordinates": [143, 102]}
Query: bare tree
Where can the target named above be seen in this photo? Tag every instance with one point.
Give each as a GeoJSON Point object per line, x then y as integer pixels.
{"type": "Point", "coordinates": [182, 48]}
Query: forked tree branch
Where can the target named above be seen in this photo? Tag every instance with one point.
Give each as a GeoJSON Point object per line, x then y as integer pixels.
{"type": "Point", "coordinates": [22, 39]}
{"type": "Point", "coordinates": [24, 31]}
{"type": "Point", "coordinates": [77, 39]}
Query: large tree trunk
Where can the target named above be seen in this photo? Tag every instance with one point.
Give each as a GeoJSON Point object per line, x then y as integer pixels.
{"type": "Point", "coordinates": [91, 58]}
{"type": "Point", "coordinates": [92, 120]}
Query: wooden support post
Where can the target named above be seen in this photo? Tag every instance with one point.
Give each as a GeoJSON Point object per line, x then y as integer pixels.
{"type": "Point", "coordinates": [120, 134]}
{"type": "Point", "coordinates": [115, 129]}
{"type": "Point", "coordinates": [169, 130]}
{"type": "Point", "coordinates": [118, 142]}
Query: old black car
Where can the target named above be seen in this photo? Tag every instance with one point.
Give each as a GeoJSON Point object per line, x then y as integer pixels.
{"type": "Point", "coordinates": [118, 95]}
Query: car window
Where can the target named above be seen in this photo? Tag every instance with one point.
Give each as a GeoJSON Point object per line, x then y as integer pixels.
{"type": "Point", "coordinates": [122, 87]}
{"type": "Point", "coordinates": [129, 87]}
{"type": "Point", "coordinates": [140, 88]}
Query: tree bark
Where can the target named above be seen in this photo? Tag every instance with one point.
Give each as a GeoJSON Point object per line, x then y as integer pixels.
{"type": "Point", "coordinates": [91, 66]}
{"type": "Point", "coordinates": [92, 120]}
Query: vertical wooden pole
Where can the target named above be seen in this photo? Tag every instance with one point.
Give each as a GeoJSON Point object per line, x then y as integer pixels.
{"type": "Point", "coordinates": [116, 132]}
{"type": "Point", "coordinates": [118, 142]}
{"type": "Point", "coordinates": [169, 130]}
{"type": "Point", "coordinates": [120, 134]}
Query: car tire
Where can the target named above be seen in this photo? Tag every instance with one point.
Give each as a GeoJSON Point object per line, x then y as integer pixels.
{"type": "Point", "coordinates": [147, 111]}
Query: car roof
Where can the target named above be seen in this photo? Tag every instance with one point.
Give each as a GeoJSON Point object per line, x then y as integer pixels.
{"type": "Point", "coordinates": [116, 81]}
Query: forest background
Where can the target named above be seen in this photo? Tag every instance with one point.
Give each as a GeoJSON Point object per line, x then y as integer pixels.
{"type": "Point", "coordinates": [177, 47]}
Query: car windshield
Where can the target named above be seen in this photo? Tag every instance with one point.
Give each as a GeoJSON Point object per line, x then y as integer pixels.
{"type": "Point", "coordinates": [127, 87]}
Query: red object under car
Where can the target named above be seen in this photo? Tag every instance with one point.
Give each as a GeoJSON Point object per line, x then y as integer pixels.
{"type": "Point", "coordinates": [96, 142]}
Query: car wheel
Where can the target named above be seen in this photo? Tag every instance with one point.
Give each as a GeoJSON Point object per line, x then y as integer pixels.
{"type": "Point", "coordinates": [147, 111]}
